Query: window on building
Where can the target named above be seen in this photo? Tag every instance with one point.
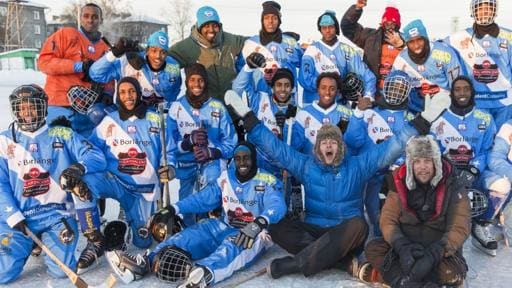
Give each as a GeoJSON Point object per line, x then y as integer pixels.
{"type": "Point", "coordinates": [37, 29]}
{"type": "Point", "coordinates": [37, 43]}
{"type": "Point", "coordinates": [36, 15]}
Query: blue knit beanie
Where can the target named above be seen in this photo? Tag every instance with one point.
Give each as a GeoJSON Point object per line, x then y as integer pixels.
{"type": "Point", "coordinates": [158, 39]}
{"type": "Point", "coordinates": [206, 14]}
{"type": "Point", "coordinates": [415, 29]}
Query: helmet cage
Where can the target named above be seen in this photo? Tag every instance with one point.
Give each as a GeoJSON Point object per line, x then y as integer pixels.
{"type": "Point", "coordinates": [396, 89]}
{"type": "Point", "coordinates": [484, 14]}
{"type": "Point", "coordinates": [29, 107]}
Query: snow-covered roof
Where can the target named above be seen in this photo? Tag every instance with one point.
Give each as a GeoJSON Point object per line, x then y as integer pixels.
{"type": "Point", "coordinates": [143, 18]}
{"type": "Point", "coordinates": [29, 3]}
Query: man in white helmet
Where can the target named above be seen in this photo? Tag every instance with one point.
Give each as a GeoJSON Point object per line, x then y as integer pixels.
{"type": "Point", "coordinates": [484, 50]}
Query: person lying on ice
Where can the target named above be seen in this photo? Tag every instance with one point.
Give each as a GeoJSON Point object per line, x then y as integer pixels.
{"type": "Point", "coordinates": [334, 229]}
{"type": "Point", "coordinates": [251, 199]}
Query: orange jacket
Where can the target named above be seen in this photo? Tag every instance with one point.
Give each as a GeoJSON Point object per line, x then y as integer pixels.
{"type": "Point", "coordinates": [57, 58]}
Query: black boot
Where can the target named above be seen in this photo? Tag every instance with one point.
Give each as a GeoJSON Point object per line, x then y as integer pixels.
{"type": "Point", "coordinates": [93, 251]}
{"type": "Point", "coordinates": [282, 266]}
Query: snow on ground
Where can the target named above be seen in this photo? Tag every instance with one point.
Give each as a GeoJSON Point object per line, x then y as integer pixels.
{"type": "Point", "coordinates": [484, 271]}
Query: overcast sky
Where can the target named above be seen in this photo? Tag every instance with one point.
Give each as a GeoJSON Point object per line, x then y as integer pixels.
{"type": "Point", "coordinates": [243, 16]}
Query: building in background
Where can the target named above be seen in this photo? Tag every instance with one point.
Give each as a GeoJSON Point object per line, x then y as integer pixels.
{"type": "Point", "coordinates": [134, 27]}
{"type": "Point", "coordinates": [22, 25]}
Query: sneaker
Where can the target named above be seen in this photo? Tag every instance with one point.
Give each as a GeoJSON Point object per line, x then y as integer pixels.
{"type": "Point", "coordinates": [127, 266]}
{"type": "Point", "coordinates": [90, 255]}
{"type": "Point", "coordinates": [482, 239]}
{"type": "Point", "coordinates": [196, 278]}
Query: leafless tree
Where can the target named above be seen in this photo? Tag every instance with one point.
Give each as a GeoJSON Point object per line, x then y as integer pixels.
{"type": "Point", "coordinates": [112, 9]}
{"type": "Point", "coordinates": [180, 17]}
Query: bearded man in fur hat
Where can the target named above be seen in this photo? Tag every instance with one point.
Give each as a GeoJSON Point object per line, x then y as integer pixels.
{"type": "Point", "coordinates": [425, 221]}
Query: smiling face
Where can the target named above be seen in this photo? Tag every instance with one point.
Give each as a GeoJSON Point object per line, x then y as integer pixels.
{"type": "Point", "coordinates": [195, 85]}
{"type": "Point", "coordinates": [210, 30]}
{"type": "Point", "coordinates": [128, 95]}
{"type": "Point", "coordinates": [423, 169]}
{"type": "Point", "coordinates": [243, 162]}
{"type": "Point", "coordinates": [282, 90]}
{"type": "Point", "coordinates": [462, 92]}
{"type": "Point", "coordinates": [156, 57]}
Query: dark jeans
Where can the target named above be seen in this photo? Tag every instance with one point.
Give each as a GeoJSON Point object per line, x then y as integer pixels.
{"type": "Point", "coordinates": [317, 248]}
{"type": "Point", "coordinates": [451, 271]}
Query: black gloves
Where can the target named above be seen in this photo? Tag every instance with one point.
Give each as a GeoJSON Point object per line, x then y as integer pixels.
{"type": "Point", "coordinates": [135, 60]}
{"type": "Point", "coordinates": [204, 153]}
{"type": "Point", "coordinates": [255, 60]}
{"type": "Point", "coordinates": [247, 235]}
{"type": "Point", "coordinates": [424, 265]}
{"type": "Point", "coordinates": [291, 111]}
{"type": "Point", "coordinates": [166, 173]}
{"type": "Point", "coordinates": [198, 137]}
{"type": "Point", "coordinates": [72, 176]}
{"type": "Point", "coordinates": [86, 65]}
{"type": "Point", "coordinates": [61, 121]}
{"type": "Point", "coordinates": [124, 45]}
{"type": "Point", "coordinates": [71, 180]}
{"type": "Point", "coordinates": [407, 252]}
{"type": "Point", "coordinates": [280, 119]}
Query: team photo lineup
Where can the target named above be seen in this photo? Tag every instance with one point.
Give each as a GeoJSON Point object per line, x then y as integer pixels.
{"type": "Point", "coordinates": [378, 151]}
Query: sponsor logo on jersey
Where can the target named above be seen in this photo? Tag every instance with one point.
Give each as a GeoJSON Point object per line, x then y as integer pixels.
{"type": "Point", "coordinates": [462, 155]}
{"type": "Point", "coordinates": [289, 50]}
{"type": "Point", "coordinates": [143, 232]}
{"type": "Point", "coordinates": [132, 162]}
{"type": "Point", "coordinates": [66, 236]}
{"type": "Point", "coordinates": [131, 129]}
{"type": "Point", "coordinates": [11, 149]}
{"type": "Point", "coordinates": [154, 130]}
{"type": "Point", "coordinates": [35, 182]}
{"type": "Point", "coordinates": [5, 243]}
{"type": "Point", "coordinates": [38, 161]}
{"type": "Point", "coordinates": [33, 147]}
{"type": "Point", "coordinates": [482, 126]}
{"type": "Point", "coordinates": [215, 114]}
{"type": "Point", "coordinates": [486, 72]}
{"type": "Point", "coordinates": [238, 218]}
{"type": "Point", "coordinates": [259, 188]}
{"type": "Point", "coordinates": [503, 46]}
{"type": "Point", "coordinates": [57, 145]}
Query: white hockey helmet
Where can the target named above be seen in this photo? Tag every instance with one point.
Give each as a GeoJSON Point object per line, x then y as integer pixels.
{"type": "Point", "coordinates": [397, 87]}
{"type": "Point", "coordinates": [484, 11]}
{"type": "Point", "coordinates": [29, 106]}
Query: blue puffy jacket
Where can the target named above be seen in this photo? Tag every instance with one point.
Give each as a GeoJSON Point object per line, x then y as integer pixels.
{"type": "Point", "coordinates": [333, 194]}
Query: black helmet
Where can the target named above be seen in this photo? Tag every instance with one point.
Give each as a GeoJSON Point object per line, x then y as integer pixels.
{"type": "Point", "coordinates": [29, 105]}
